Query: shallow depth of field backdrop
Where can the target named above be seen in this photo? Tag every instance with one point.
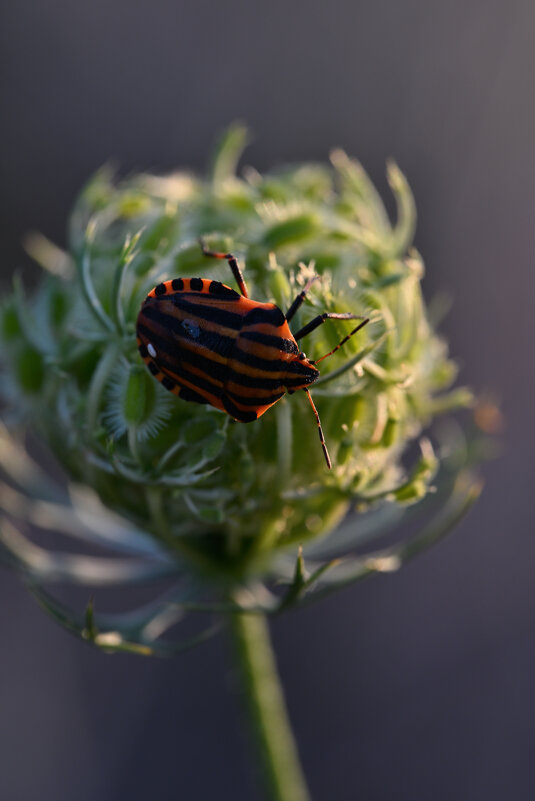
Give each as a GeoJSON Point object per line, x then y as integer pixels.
{"type": "Point", "coordinates": [417, 685]}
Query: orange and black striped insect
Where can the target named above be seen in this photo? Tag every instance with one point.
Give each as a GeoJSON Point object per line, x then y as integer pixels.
{"type": "Point", "coordinates": [208, 343]}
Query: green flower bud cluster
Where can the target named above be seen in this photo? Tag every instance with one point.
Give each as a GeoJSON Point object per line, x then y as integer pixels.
{"type": "Point", "coordinates": [227, 503]}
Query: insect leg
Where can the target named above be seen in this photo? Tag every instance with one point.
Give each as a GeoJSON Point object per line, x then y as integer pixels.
{"type": "Point", "coordinates": [320, 430]}
{"type": "Point", "coordinates": [317, 321]}
{"type": "Point", "coordinates": [320, 319]}
{"type": "Point", "coordinates": [233, 264]}
{"type": "Point", "coordinates": [299, 299]}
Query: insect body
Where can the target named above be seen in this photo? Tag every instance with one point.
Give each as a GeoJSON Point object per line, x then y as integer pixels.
{"type": "Point", "coordinates": [207, 343]}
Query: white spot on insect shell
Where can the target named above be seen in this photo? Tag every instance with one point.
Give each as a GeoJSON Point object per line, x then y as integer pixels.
{"type": "Point", "coordinates": [152, 351]}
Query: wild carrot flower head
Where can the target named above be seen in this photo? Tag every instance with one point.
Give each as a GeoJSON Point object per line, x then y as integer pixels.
{"type": "Point", "coordinates": [237, 516]}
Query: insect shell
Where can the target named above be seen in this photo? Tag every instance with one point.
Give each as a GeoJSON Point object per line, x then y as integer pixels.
{"type": "Point", "coordinates": [207, 343]}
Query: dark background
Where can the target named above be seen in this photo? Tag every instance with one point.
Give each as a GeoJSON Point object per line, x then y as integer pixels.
{"type": "Point", "coordinates": [413, 686]}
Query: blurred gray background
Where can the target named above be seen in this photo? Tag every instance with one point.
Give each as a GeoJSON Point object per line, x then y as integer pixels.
{"type": "Point", "coordinates": [413, 686]}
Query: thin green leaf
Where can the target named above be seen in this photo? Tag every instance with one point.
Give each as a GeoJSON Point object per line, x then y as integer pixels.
{"type": "Point", "coordinates": [227, 153]}
{"type": "Point", "coordinates": [57, 566]}
{"type": "Point", "coordinates": [466, 491]}
{"type": "Point", "coordinates": [93, 301]}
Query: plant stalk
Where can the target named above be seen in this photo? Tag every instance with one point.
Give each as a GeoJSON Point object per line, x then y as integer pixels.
{"type": "Point", "coordinates": [263, 692]}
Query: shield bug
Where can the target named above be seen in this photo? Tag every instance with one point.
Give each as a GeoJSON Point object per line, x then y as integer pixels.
{"type": "Point", "coordinates": [207, 343]}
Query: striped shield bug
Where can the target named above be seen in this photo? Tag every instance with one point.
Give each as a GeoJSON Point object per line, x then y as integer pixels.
{"type": "Point", "coordinates": [207, 343]}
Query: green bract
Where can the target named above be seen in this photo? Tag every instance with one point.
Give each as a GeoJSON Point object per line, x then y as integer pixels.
{"type": "Point", "coordinates": [224, 507]}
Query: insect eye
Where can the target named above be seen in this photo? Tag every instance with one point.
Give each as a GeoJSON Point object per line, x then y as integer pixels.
{"type": "Point", "coordinates": [302, 356]}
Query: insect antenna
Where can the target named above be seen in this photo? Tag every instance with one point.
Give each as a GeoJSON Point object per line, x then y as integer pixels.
{"type": "Point", "coordinates": [320, 430]}
{"type": "Point", "coordinates": [344, 340]}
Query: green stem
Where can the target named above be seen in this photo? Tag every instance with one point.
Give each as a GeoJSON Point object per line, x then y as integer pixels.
{"type": "Point", "coordinates": [261, 683]}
